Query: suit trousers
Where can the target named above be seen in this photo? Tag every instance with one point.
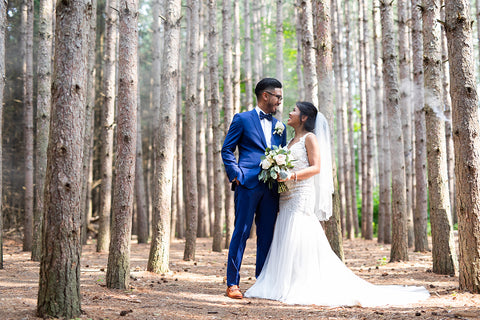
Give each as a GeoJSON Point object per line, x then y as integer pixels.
{"type": "Point", "coordinates": [260, 203]}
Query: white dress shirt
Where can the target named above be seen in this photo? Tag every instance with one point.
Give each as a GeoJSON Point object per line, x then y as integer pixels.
{"type": "Point", "coordinates": [267, 128]}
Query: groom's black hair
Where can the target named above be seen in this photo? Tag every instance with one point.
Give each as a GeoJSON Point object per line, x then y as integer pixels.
{"type": "Point", "coordinates": [267, 84]}
{"type": "Point", "coordinates": [309, 110]}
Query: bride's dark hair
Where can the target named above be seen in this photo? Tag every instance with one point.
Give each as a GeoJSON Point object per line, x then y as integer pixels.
{"type": "Point", "coordinates": [309, 110]}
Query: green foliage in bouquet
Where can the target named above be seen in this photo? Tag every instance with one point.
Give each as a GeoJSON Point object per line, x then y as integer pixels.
{"type": "Point", "coordinates": [276, 163]}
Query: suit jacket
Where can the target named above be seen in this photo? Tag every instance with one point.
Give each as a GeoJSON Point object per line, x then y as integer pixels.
{"type": "Point", "coordinates": [246, 134]}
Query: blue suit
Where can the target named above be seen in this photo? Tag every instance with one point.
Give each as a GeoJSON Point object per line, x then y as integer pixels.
{"type": "Point", "coordinates": [252, 197]}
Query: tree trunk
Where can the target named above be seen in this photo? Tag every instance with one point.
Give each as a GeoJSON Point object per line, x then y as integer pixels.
{"type": "Point", "coordinates": [88, 146]}
{"type": "Point", "coordinates": [350, 106]}
{"type": "Point", "coordinates": [118, 270]}
{"type": "Point", "coordinates": [140, 194]}
{"type": "Point", "coordinates": [247, 54]}
{"type": "Point", "coordinates": [257, 44]}
{"type": "Point", "coordinates": [369, 129]}
{"type": "Point", "coordinates": [384, 185]}
{"type": "Point", "coordinates": [443, 248]}
{"type": "Point", "coordinates": [466, 139]}
{"type": "Point", "coordinates": [399, 249]}
{"type": "Point", "coordinates": [174, 201]}
{"type": "Point", "coordinates": [421, 196]}
{"type": "Point", "coordinates": [308, 57]}
{"type": "Point", "coordinates": [203, 212]}
{"type": "Point", "coordinates": [59, 285]}
{"type": "Point", "coordinates": [214, 106]}
{"type": "Point", "coordinates": [362, 146]}
{"type": "Point", "coordinates": [210, 164]}
{"type": "Point", "coordinates": [3, 20]}
{"type": "Point", "coordinates": [237, 57]}
{"type": "Point", "coordinates": [323, 46]}
{"type": "Point", "coordinates": [180, 226]}
{"type": "Point", "coordinates": [279, 51]}
{"type": "Point", "coordinates": [44, 86]}
{"type": "Point", "coordinates": [156, 90]}
{"type": "Point", "coordinates": [404, 104]}
{"type": "Point", "coordinates": [107, 126]}
{"type": "Point", "coordinates": [165, 142]}
{"type": "Point", "coordinates": [190, 138]}
{"type": "Point", "coordinates": [341, 128]}
{"type": "Point", "coordinates": [27, 74]}
{"type": "Point", "coordinates": [447, 102]}
{"type": "Point", "coordinates": [228, 107]}
{"type": "Point", "coordinates": [298, 64]}
{"type": "Point", "coordinates": [387, 176]}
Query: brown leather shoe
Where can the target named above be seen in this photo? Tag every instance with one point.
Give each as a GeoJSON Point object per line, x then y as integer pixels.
{"type": "Point", "coordinates": [234, 292]}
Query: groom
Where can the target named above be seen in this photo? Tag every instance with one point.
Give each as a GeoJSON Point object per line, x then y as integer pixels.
{"type": "Point", "coordinates": [252, 132]}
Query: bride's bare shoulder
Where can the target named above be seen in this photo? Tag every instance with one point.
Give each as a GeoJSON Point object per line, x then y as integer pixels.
{"type": "Point", "coordinates": [311, 140]}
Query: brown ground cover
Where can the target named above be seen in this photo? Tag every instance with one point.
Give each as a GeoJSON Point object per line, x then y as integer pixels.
{"type": "Point", "coordinates": [196, 289]}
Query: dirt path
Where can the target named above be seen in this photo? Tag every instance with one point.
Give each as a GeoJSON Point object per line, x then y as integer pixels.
{"type": "Point", "coordinates": [196, 290]}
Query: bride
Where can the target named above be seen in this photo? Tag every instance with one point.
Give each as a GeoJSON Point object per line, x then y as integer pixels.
{"type": "Point", "coordinates": [301, 268]}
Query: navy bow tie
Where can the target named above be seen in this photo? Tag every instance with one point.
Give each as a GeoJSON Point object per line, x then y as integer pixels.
{"type": "Point", "coordinates": [265, 116]}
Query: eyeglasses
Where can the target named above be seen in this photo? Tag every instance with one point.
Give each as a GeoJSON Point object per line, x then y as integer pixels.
{"type": "Point", "coordinates": [279, 97]}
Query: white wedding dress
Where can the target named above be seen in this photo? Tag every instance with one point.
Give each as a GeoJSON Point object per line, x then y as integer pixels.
{"type": "Point", "coordinates": [301, 268]}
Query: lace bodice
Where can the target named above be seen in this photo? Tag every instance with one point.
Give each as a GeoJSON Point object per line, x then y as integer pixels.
{"type": "Point", "coordinates": [299, 196]}
{"type": "Point", "coordinates": [299, 152]}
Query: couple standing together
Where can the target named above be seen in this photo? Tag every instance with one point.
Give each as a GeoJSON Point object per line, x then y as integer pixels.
{"type": "Point", "coordinates": [295, 263]}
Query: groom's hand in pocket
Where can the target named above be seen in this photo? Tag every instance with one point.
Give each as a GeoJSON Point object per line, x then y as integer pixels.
{"type": "Point", "coordinates": [235, 183]}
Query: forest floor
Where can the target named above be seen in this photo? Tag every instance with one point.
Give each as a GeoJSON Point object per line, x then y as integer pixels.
{"type": "Point", "coordinates": [196, 289]}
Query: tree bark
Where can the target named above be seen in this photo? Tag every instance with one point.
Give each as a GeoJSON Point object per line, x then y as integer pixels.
{"type": "Point", "coordinates": [86, 206]}
{"type": "Point", "coordinates": [338, 66]}
{"type": "Point", "coordinates": [399, 249]}
{"type": "Point", "coordinates": [27, 74]}
{"type": "Point", "coordinates": [165, 142]}
{"type": "Point", "coordinates": [465, 138]}
{"type": "Point", "coordinates": [447, 102]}
{"type": "Point", "coordinates": [350, 114]}
{"type": "Point", "coordinates": [180, 226]}
{"type": "Point", "coordinates": [279, 50]}
{"type": "Point", "coordinates": [421, 196]}
{"type": "Point", "coordinates": [362, 145]}
{"type": "Point", "coordinates": [308, 57]}
{"type": "Point", "coordinates": [369, 128]}
{"type": "Point", "coordinates": [214, 106]}
{"type": "Point", "coordinates": [107, 126]}
{"type": "Point", "coordinates": [379, 117]}
{"type": "Point", "coordinates": [443, 248]}
{"type": "Point", "coordinates": [140, 194]}
{"type": "Point", "coordinates": [237, 57]}
{"type": "Point", "coordinates": [298, 64]}
{"type": "Point", "coordinates": [3, 20]}
{"type": "Point", "coordinates": [191, 100]}
{"type": "Point", "coordinates": [59, 285]}
{"type": "Point", "coordinates": [257, 43]}
{"type": "Point", "coordinates": [210, 164]}
{"type": "Point", "coordinates": [247, 56]}
{"type": "Point", "coordinates": [323, 46]}
{"type": "Point", "coordinates": [44, 85]}
{"type": "Point", "coordinates": [118, 270]}
{"type": "Point", "coordinates": [203, 211]}
{"type": "Point", "coordinates": [404, 104]}
{"type": "Point", "coordinates": [228, 107]}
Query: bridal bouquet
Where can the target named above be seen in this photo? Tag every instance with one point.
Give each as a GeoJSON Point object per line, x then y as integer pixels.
{"type": "Point", "coordinates": [276, 164]}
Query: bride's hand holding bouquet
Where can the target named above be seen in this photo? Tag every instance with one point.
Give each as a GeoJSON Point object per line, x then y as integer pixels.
{"type": "Point", "coordinates": [276, 165]}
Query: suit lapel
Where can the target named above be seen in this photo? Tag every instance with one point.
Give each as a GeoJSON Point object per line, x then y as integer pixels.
{"type": "Point", "coordinates": [258, 126]}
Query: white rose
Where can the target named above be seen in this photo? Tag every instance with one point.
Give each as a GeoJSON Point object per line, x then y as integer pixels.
{"type": "Point", "coordinates": [279, 127]}
{"type": "Point", "coordinates": [280, 159]}
{"type": "Point", "coordinates": [266, 163]}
